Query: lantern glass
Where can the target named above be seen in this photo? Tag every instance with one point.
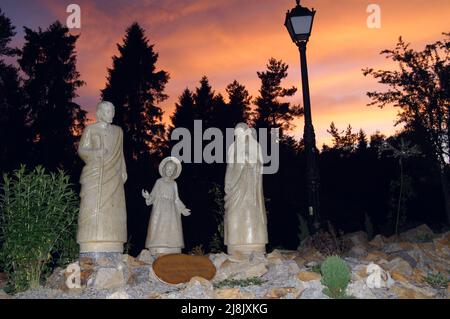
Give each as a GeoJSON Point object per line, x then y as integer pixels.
{"type": "Point", "coordinates": [301, 25]}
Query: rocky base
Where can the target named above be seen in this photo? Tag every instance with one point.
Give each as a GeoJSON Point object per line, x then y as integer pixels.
{"type": "Point", "coordinates": [404, 264]}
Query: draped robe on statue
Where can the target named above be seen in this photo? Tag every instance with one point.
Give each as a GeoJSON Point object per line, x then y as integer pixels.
{"type": "Point", "coordinates": [245, 214]}
{"type": "Point", "coordinates": [102, 223]}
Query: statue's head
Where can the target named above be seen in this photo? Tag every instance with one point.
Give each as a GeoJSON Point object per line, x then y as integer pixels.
{"type": "Point", "coordinates": [240, 131]}
{"type": "Point", "coordinates": [170, 167]}
{"type": "Point", "coordinates": [105, 112]}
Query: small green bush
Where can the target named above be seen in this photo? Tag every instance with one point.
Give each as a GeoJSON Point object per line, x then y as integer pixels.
{"type": "Point", "coordinates": [38, 213]}
{"type": "Point", "coordinates": [335, 276]}
{"type": "Point", "coordinates": [437, 280]}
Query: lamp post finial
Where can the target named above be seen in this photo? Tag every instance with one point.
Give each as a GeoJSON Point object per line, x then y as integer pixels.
{"type": "Point", "coordinates": [298, 2]}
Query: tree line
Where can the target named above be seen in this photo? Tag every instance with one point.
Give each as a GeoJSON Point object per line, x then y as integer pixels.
{"type": "Point", "coordinates": [40, 124]}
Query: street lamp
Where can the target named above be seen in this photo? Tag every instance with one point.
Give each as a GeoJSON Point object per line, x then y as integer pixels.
{"type": "Point", "coordinates": [299, 23]}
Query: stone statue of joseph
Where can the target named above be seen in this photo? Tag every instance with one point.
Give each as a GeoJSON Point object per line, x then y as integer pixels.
{"type": "Point", "coordinates": [102, 222]}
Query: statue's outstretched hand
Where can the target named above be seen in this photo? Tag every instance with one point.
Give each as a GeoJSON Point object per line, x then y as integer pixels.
{"type": "Point", "coordinates": [148, 197]}
{"type": "Point", "coordinates": [186, 212]}
{"type": "Point", "coordinates": [145, 194]}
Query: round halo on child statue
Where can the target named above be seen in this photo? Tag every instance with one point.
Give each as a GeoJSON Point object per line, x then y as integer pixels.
{"type": "Point", "coordinates": [102, 219]}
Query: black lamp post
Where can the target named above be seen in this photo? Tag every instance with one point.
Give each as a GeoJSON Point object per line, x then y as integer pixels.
{"type": "Point", "coordinates": [299, 23]}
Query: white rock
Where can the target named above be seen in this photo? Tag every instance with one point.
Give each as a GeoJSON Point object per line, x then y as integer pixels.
{"type": "Point", "coordinates": [118, 295]}
{"type": "Point", "coordinates": [400, 265]}
{"type": "Point", "coordinates": [107, 278]}
{"type": "Point", "coordinates": [293, 268]}
{"type": "Point", "coordinates": [198, 288]}
{"type": "Point", "coordinates": [239, 270]}
{"type": "Point", "coordinates": [313, 290]}
{"type": "Point", "coordinates": [73, 276]}
{"type": "Point", "coordinates": [218, 259]}
{"type": "Point", "coordinates": [145, 256]}
{"type": "Point", "coordinates": [378, 278]}
{"type": "Point", "coordinates": [275, 257]}
{"type": "Point", "coordinates": [360, 290]}
{"type": "Point", "coordinates": [257, 270]}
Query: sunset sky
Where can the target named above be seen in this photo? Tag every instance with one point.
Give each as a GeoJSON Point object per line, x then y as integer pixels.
{"type": "Point", "coordinates": [233, 39]}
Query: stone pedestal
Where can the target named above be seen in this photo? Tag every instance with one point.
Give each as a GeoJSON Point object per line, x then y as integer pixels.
{"type": "Point", "coordinates": [100, 259]}
{"type": "Point", "coordinates": [245, 249]}
{"type": "Point", "coordinates": [164, 250]}
{"type": "Point", "coordinates": [97, 247]}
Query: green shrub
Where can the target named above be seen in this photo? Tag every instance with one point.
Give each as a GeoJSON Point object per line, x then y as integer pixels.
{"type": "Point", "coordinates": [335, 276]}
{"type": "Point", "coordinates": [316, 269]}
{"type": "Point", "coordinates": [437, 280]}
{"type": "Point", "coordinates": [38, 213]}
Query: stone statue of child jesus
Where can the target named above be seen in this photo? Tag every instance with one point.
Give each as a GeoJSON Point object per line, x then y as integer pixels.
{"type": "Point", "coordinates": [165, 232]}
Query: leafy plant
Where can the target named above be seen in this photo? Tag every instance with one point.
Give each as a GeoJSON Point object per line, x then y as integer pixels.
{"type": "Point", "coordinates": [303, 230]}
{"type": "Point", "coordinates": [216, 245]}
{"type": "Point", "coordinates": [437, 280]}
{"type": "Point", "coordinates": [38, 214]}
{"type": "Point", "coordinates": [404, 185]}
{"type": "Point", "coordinates": [254, 281]}
{"type": "Point", "coordinates": [335, 276]}
{"type": "Point", "coordinates": [316, 269]}
{"type": "Point", "coordinates": [197, 251]}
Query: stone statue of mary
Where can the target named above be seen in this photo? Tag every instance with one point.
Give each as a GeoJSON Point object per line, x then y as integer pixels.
{"type": "Point", "coordinates": [165, 231]}
{"type": "Point", "coordinates": [245, 224]}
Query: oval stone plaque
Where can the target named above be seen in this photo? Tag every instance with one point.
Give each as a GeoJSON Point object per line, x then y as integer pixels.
{"type": "Point", "coordinates": [179, 268]}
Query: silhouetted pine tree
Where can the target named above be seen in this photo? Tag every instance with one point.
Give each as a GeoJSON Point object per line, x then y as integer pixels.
{"type": "Point", "coordinates": [135, 87]}
{"type": "Point", "coordinates": [204, 102]}
{"type": "Point", "coordinates": [184, 114]}
{"type": "Point", "coordinates": [48, 60]}
{"type": "Point", "coordinates": [362, 141]}
{"type": "Point", "coordinates": [238, 108]}
{"type": "Point", "coordinates": [14, 133]}
{"type": "Point", "coordinates": [270, 111]}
